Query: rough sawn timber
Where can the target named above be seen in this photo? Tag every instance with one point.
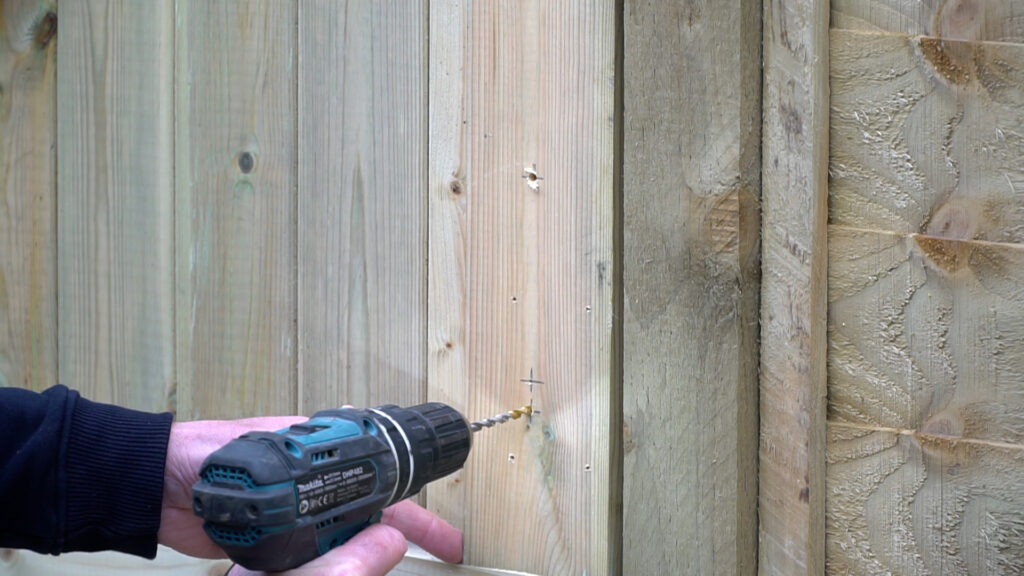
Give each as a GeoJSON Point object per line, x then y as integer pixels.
{"type": "Point", "coordinates": [926, 243]}
{"type": "Point", "coordinates": [691, 191]}
{"type": "Point", "coordinates": [791, 489]}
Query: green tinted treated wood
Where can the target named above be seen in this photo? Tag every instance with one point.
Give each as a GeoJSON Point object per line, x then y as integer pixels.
{"type": "Point", "coordinates": [994, 20]}
{"type": "Point", "coordinates": [926, 251]}
{"type": "Point", "coordinates": [522, 277]}
{"type": "Point", "coordinates": [791, 472]}
{"type": "Point", "coordinates": [691, 187]}
{"type": "Point", "coordinates": [115, 144]}
{"type": "Point", "coordinates": [362, 203]}
{"type": "Point", "coordinates": [28, 200]}
{"type": "Point", "coordinates": [235, 208]}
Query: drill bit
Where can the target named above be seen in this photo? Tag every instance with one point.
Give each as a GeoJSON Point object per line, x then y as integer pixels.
{"type": "Point", "coordinates": [501, 418]}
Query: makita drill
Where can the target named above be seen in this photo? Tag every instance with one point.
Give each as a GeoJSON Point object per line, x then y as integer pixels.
{"type": "Point", "coordinates": [275, 500]}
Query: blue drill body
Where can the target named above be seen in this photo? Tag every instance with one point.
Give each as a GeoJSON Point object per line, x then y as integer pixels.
{"type": "Point", "coordinates": [275, 500]}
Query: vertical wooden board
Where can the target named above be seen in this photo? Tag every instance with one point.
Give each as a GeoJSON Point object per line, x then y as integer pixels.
{"type": "Point", "coordinates": [116, 205]}
{"type": "Point", "coordinates": [995, 20]}
{"type": "Point", "coordinates": [691, 187]}
{"type": "Point", "coordinates": [521, 276]}
{"type": "Point", "coordinates": [28, 201]}
{"type": "Point", "coordinates": [235, 208]}
{"type": "Point", "coordinates": [362, 203]}
{"type": "Point", "coordinates": [927, 136]}
{"type": "Point", "coordinates": [791, 492]}
{"type": "Point", "coordinates": [906, 503]}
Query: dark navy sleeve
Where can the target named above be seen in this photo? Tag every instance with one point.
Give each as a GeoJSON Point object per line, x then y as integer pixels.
{"type": "Point", "coordinates": [77, 475]}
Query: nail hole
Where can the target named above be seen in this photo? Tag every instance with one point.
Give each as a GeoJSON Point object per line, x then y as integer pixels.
{"type": "Point", "coordinates": [512, 458]}
{"type": "Point", "coordinates": [586, 468]}
{"type": "Point", "coordinates": [246, 162]}
{"type": "Point", "coordinates": [531, 176]}
{"type": "Point", "coordinates": [588, 308]}
{"type": "Point", "coordinates": [515, 300]}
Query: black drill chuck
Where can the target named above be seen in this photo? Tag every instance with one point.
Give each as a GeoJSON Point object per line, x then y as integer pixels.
{"type": "Point", "coordinates": [275, 500]}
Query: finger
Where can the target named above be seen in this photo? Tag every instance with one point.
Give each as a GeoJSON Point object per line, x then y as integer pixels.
{"type": "Point", "coordinates": [425, 529]}
{"type": "Point", "coordinates": [372, 552]}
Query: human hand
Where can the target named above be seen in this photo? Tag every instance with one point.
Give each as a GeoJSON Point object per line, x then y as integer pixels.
{"type": "Point", "coordinates": [372, 552]}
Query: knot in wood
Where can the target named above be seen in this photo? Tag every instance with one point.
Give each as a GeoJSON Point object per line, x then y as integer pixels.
{"type": "Point", "coordinates": [46, 29]}
{"type": "Point", "coordinates": [246, 162]}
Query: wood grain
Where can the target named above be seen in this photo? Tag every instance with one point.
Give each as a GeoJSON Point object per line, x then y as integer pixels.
{"type": "Point", "coordinates": [521, 276]}
{"type": "Point", "coordinates": [28, 194]}
{"type": "Point", "coordinates": [992, 20]}
{"type": "Point", "coordinates": [926, 404]}
{"type": "Point", "coordinates": [793, 288]}
{"type": "Point", "coordinates": [927, 137]}
{"type": "Point", "coordinates": [923, 334]}
{"type": "Point", "coordinates": [115, 143]}
{"type": "Point", "coordinates": [691, 188]}
{"type": "Point", "coordinates": [362, 203]}
{"type": "Point", "coordinates": [235, 208]}
{"type": "Point", "coordinates": [906, 503]}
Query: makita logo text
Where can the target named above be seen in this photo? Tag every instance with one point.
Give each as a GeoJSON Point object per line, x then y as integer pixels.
{"type": "Point", "coordinates": [318, 483]}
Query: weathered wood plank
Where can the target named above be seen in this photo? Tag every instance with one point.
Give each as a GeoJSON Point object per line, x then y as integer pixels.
{"type": "Point", "coordinates": [924, 334]}
{"type": "Point", "coordinates": [906, 503]}
{"type": "Point", "coordinates": [927, 136]}
{"type": "Point", "coordinates": [995, 20]}
{"type": "Point", "coordinates": [793, 291]}
{"type": "Point", "coordinates": [691, 188]}
{"type": "Point", "coordinates": [115, 143]}
{"type": "Point", "coordinates": [926, 404]}
{"type": "Point", "coordinates": [28, 195]}
{"type": "Point", "coordinates": [521, 276]}
{"type": "Point", "coordinates": [362, 203]}
{"type": "Point", "coordinates": [235, 208]}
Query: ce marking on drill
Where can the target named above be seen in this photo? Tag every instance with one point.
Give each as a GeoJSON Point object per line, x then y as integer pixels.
{"type": "Point", "coordinates": [321, 490]}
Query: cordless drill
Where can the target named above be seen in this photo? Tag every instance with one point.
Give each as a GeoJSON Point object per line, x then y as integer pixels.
{"type": "Point", "coordinates": [275, 500]}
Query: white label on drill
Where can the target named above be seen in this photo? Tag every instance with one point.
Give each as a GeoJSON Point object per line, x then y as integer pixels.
{"type": "Point", "coordinates": [335, 487]}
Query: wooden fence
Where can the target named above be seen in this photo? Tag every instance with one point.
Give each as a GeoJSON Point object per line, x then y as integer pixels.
{"type": "Point", "coordinates": [228, 208]}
